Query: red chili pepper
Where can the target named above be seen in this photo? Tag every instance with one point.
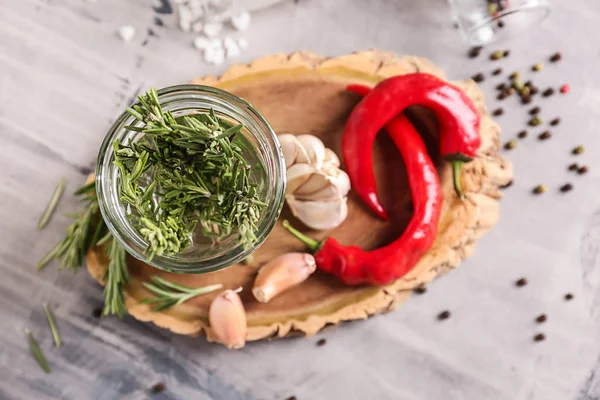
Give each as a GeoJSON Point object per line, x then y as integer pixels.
{"type": "Point", "coordinates": [381, 266]}
{"type": "Point", "coordinates": [457, 117]}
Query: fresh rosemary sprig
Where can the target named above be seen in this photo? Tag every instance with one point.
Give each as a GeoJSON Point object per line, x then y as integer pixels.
{"type": "Point", "coordinates": [51, 207]}
{"type": "Point", "coordinates": [170, 294]}
{"type": "Point", "coordinates": [88, 231]}
{"type": "Point", "coordinates": [52, 324]}
{"type": "Point", "coordinates": [37, 352]}
{"type": "Point", "coordinates": [185, 173]}
{"type": "Point", "coordinates": [116, 276]}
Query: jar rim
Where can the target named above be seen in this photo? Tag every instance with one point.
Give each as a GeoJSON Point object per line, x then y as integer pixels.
{"type": "Point", "coordinates": [269, 149]}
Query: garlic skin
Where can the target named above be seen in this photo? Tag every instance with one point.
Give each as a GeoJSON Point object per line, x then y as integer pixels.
{"type": "Point", "coordinates": [316, 187]}
{"type": "Point", "coordinates": [227, 318]}
{"type": "Point", "coordinates": [282, 273]}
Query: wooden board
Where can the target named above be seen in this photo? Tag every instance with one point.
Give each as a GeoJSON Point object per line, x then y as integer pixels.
{"type": "Point", "coordinates": [304, 93]}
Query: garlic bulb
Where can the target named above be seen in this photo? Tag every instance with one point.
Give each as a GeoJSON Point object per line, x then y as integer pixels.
{"type": "Point", "coordinates": [316, 186]}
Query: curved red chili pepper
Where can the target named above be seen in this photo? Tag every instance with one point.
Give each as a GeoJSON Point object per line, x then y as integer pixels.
{"type": "Point", "coordinates": [381, 266]}
{"type": "Point", "coordinates": [457, 117]}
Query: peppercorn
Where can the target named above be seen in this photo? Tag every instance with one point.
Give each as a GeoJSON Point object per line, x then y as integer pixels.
{"type": "Point", "coordinates": [497, 71]}
{"type": "Point", "coordinates": [321, 342]}
{"type": "Point", "coordinates": [443, 315]}
{"type": "Point", "coordinates": [566, 187]}
{"type": "Point", "coordinates": [539, 189]}
{"type": "Point", "coordinates": [500, 24]}
{"type": "Point", "coordinates": [97, 312]}
{"type": "Point", "coordinates": [555, 121]}
{"type": "Point", "coordinates": [534, 90]}
{"type": "Point", "coordinates": [498, 112]}
{"type": "Point", "coordinates": [578, 150]}
{"type": "Point", "coordinates": [522, 134]}
{"type": "Point", "coordinates": [492, 8]}
{"type": "Point", "coordinates": [474, 51]}
{"type": "Point", "coordinates": [568, 296]}
{"type": "Point", "coordinates": [574, 167]}
{"type": "Point", "coordinates": [420, 289]}
{"type": "Point", "coordinates": [158, 388]}
{"type": "Point", "coordinates": [535, 121]}
{"type": "Point", "coordinates": [478, 78]}
{"type": "Point", "coordinates": [521, 282]}
{"type": "Point", "coordinates": [582, 170]}
{"type": "Point", "coordinates": [511, 144]}
{"type": "Point", "coordinates": [515, 75]}
{"type": "Point", "coordinates": [496, 55]}
{"type": "Point", "coordinates": [501, 86]}
{"type": "Point", "coordinates": [525, 91]}
{"type": "Point", "coordinates": [517, 84]}
{"type": "Point", "coordinates": [525, 99]}
{"type": "Point", "coordinates": [501, 96]}
{"type": "Point", "coordinates": [565, 89]}
{"type": "Point", "coordinates": [541, 318]}
{"type": "Point", "coordinates": [510, 91]}
{"type": "Point", "coordinates": [534, 111]}
{"type": "Point", "coordinates": [545, 135]}
{"type": "Point", "coordinates": [539, 337]}
{"type": "Point", "coordinates": [506, 53]}
{"type": "Point", "coordinates": [537, 67]}
{"type": "Point", "coordinates": [555, 57]}
{"type": "Point", "coordinates": [292, 398]}
{"type": "Point", "coordinates": [548, 92]}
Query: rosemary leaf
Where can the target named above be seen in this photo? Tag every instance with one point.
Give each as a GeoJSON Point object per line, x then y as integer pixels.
{"type": "Point", "coordinates": [37, 352]}
{"type": "Point", "coordinates": [169, 294]}
{"type": "Point", "coordinates": [52, 324]}
{"type": "Point", "coordinates": [116, 276]}
{"type": "Point", "coordinates": [52, 204]}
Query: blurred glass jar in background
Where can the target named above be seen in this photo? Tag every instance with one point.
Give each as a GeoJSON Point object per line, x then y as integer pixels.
{"type": "Point", "coordinates": [483, 21]}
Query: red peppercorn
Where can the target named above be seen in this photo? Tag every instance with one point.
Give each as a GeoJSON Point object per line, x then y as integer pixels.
{"type": "Point", "coordinates": [565, 88]}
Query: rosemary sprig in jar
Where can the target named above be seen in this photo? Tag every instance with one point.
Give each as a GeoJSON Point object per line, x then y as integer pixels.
{"type": "Point", "coordinates": [199, 179]}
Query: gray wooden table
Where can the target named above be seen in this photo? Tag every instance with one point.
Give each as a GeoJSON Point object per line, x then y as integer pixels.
{"type": "Point", "coordinates": [64, 76]}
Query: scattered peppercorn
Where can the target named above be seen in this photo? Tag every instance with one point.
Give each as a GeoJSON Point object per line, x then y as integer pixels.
{"type": "Point", "coordinates": [522, 134]}
{"type": "Point", "coordinates": [474, 51]}
{"type": "Point", "coordinates": [568, 296]}
{"type": "Point", "coordinates": [420, 289]}
{"type": "Point", "coordinates": [539, 189]}
{"type": "Point", "coordinates": [511, 144]}
{"type": "Point", "coordinates": [534, 111]}
{"type": "Point", "coordinates": [555, 121]}
{"type": "Point", "coordinates": [534, 90]}
{"type": "Point", "coordinates": [521, 282]}
{"type": "Point", "coordinates": [321, 342]}
{"type": "Point", "coordinates": [501, 86]}
{"type": "Point", "coordinates": [443, 315]}
{"type": "Point", "coordinates": [158, 388]}
{"type": "Point", "coordinates": [545, 135]}
{"type": "Point", "coordinates": [539, 337]}
{"type": "Point", "coordinates": [498, 54]}
{"type": "Point", "coordinates": [525, 91]}
{"type": "Point", "coordinates": [506, 53]}
{"type": "Point", "coordinates": [517, 84]}
{"type": "Point", "coordinates": [292, 398]}
{"type": "Point", "coordinates": [578, 150]}
{"type": "Point", "coordinates": [525, 99]}
{"type": "Point", "coordinates": [478, 77]}
{"type": "Point", "coordinates": [582, 170]}
{"type": "Point", "coordinates": [500, 24]}
{"type": "Point", "coordinates": [510, 91]}
{"type": "Point", "coordinates": [97, 312]}
{"type": "Point", "coordinates": [548, 92]}
{"type": "Point", "coordinates": [514, 75]}
{"type": "Point", "coordinates": [501, 96]}
{"type": "Point", "coordinates": [566, 187]}
{"type": "Point", "coordinates": [541, 318]}
{"type": "Point", "coordinates": [498, 112]}
{"type": "Point", "coordinates": [574, 167]}
{"type": "Point", "coordinates": [535, 121]}
{"type": "Point", "coordinates": [565, 89]}
{"type": "Point", "coordinates": [497, 71]}
{"type": "Point", "coordinates": [556, 57]}
{"type": "Point", "coordinates": [537, 67]}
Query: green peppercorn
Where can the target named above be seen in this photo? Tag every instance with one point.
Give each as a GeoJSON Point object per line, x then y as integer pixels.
{"type": "Point", "coordinates": [511, 144]}
{"type": "Point", "coordinates": [498, 54]}
{"type": "Point", "coordinates": [535, 121]}
{"type": "Point", "coordinates": [539, 189]}
{"type": "Point", "coordinates": [537, 67]}
{"type": "Point", "coordinates": [578, 150]}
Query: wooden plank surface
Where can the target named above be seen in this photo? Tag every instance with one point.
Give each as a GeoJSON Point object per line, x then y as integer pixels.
{"type": "Point", "coordinates": [65, 75]}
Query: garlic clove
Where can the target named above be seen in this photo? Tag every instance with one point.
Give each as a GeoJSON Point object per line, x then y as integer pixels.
{"type": "Point", "coordinates": [331, 158]}
{"type": "Point", "coordinates": [227, 319]}
{"type": "Point", "coordinates": [339, 178]}
{"type": "Point", "coordinates": [315, 182]}
{"type": "Point", "coordinates": [329, 193]}
{"type": "Point", "coordinates": [322, 215]}
{"type": "Point", "coordinates": [282, 273]}
{"type": "Point", "coordinates": [297, 175]}
{"type": "Point", "coordinates": [293, 152]}
{"type": "Point", "coordinates": [314, 148]}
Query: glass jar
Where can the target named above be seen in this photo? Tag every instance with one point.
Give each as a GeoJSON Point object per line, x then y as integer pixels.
{"type": "Point", "coordinates": [483, 21]}
{"type": "Point", "coordinates": [266, 159]}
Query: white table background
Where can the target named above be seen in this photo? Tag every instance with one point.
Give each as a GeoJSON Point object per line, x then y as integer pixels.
{"type": "Point", "coordinates": [65, 75]}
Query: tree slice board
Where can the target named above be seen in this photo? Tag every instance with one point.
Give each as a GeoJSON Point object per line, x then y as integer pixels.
{"type": "Point", "coordinates": [304, 93]}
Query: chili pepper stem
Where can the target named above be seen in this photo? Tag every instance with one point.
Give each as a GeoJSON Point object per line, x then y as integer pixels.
{"type": "Point", "coordinates": [312, 244]}
{"type": "Point", "coordinates": [456, 168]}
